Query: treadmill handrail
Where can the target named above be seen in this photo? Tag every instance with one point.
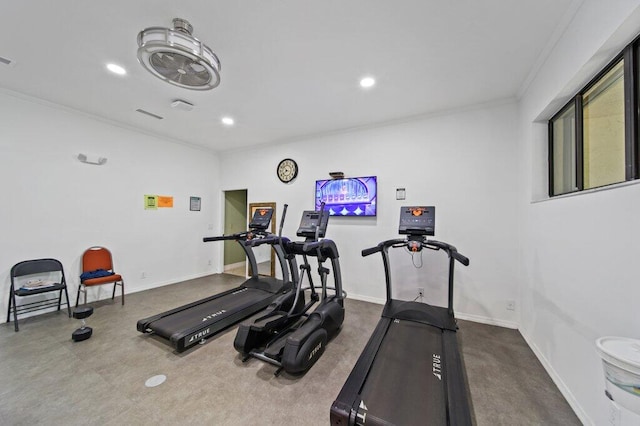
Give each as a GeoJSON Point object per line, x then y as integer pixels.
{"type": "Point", "coordinates": [382, 245]}
{"type": "Point", "coordinates": [238, 236]}
{"type": "Point", "coordinates": [269, 239]}
{"type": "Point", "coordinates": [451, 250]}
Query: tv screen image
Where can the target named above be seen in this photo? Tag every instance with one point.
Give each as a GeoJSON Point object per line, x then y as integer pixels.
{"type": "Point", "coordinates": [349, 196]}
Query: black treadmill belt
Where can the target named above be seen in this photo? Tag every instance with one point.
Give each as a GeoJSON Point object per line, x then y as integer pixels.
{"type": "Point", "coordinates": [209, 312]}
{"type": "Point", "coordinates": [403, 386]}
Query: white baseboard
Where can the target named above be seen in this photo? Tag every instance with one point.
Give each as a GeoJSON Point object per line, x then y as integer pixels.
{"type": "Point", "coordinates": [463, 316]}
{"type": "Point", "coordinates": [234, 265]}
{"type": "Point", "coordinates": [366, 298]}
{"type": "Point", "coordinates": [564, 389]}
{"type": "Point", "coordinates": [144, 286]}
{"type": "Point", "coordinates": [486, 320]}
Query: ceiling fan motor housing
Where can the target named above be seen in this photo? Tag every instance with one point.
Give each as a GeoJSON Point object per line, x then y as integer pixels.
{"type": "Point", "coordinates": [175, 56]}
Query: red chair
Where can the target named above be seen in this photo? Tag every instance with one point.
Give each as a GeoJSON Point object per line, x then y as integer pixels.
{"type": "Point", "coordinates": [97, 269]}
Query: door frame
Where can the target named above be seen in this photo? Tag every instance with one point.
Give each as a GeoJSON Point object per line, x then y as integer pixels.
{"type": "Point", "coordinates": [226, 231]}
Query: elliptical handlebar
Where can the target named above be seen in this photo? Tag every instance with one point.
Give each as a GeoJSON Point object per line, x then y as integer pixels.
{"type": "Point", "coordinates": [319, 222]}
{"type": "Point", "coordinates": [314, 245]}
{"type": "Point", "coordinates": [284, 214]}
{"type": "Point", "coordinates": [325, 249]}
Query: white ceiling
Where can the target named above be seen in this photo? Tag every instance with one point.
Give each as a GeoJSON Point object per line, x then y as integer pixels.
{"type": "Point", "coordinates": [290, 68]}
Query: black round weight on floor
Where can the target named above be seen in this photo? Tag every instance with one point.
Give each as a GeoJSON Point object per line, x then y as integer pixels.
{"type": "Point", "coordinates": [82, 312]}
{"type": "Point", "coordinates": [81, 334]}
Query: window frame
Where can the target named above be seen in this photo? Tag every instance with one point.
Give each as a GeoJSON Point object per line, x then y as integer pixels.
{"type": "Point", "coordinates": [631, 93]}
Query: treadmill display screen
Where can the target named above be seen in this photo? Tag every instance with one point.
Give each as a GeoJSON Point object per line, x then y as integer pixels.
{"type": "Point", "coordinates": [417, 220]}
{"type": "Point", "coordinates": [261, 218]}
{"type": "Point", "coordinates": [311, 220]}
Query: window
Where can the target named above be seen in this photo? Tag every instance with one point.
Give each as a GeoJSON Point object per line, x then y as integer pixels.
{"type": "Point", "coordinates": [564, 151]}
{"type": "Point", "coordinates": [593, 140]}
{"type": "Point", "coordinates": [603, 130]}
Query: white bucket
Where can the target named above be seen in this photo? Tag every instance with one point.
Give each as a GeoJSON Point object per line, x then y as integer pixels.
{"type": "Point", "coordinates": [621, 362]}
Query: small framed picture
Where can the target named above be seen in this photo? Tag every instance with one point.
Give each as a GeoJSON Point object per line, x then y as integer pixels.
{"type": "Point", "coordinates": [194, 204]}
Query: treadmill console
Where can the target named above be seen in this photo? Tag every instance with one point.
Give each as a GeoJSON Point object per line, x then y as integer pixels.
{"type": "Point", "coordinates": [417, 220]}
{"type": "Point", "coordinates": [311, 220]}
{"type": "Point", "coordinates": [261, 219]}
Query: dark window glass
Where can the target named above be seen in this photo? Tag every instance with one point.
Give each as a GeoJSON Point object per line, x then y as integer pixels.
{"type": "Point", "coordinates": [563, 128]}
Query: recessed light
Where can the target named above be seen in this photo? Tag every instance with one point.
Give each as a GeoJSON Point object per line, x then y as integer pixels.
{"type": "Point", "coordinates": [367, 82]}
{"type": "Point", "coordinates": [228, 121]}
{"type": "Point", "coordinates": [116, 69]}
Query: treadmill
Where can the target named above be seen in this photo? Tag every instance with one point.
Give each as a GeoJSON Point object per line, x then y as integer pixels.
{"type": "Point", "coordinates": [410, 372]}
{"type": "Point", "coordinates": [195, 322]}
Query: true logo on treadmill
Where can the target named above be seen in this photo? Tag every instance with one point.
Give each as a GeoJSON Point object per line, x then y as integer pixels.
{"type": "Point", "coordinates": [212, 316]}
{"type": "Point", "coordinates": [362, 413]}
{"type": "Point", "coordinates": [437, 366]}
{"type": "Point", "coordinates": [314, 351]}
{"type": "Point", "coordinates": [240, 291]}
{"type": "Point", "coordinates": [199, 335]}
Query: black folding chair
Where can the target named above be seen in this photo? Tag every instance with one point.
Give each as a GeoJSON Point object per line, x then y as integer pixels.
{"type": "Point", "coordinates": [35, 268]}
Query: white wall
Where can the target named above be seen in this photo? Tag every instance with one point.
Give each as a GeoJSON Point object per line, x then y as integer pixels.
{"type": "Point", "coordinates": [55, 206]}
{"type": "Point", "coordinates": [567, 262]}
{"type": "Point", "coordinates": [578, 272]}
{"type": "Point", "coordinates": [462, 162]}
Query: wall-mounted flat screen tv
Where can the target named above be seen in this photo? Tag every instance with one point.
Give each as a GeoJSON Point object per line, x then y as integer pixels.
{"type": "Point", "coordinates": [349, 196]}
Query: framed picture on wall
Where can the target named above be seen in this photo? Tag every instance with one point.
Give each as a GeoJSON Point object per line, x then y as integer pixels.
{"type": "Point", "coordinates": [265, 255]}
{"type": "Point", "coordinates": [194, 204]}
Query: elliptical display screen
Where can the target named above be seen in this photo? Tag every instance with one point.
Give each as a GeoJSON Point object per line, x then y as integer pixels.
{"type": "Point", "coordinates": [261, 218]}
{"type": "Point", "coordinates": [310, 221]}
{"type": "Point", "coordinates": [417, 220]}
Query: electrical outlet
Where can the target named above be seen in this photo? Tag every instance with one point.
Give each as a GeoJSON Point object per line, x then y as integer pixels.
{"type": "Point", "coordinates": [511, 305]}
{"type": "Point", "coordinates": [614, 414]}
{"type": "Point", "coordinates": [209, 263]}
{"type": "Point", "coordinates": [143, 275]}
{"type": "Point", "coordinates": [420, 292]}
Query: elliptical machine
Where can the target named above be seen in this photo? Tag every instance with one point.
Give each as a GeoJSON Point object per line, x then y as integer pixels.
{"type": "Point", "coordinates": [294, 340]}
{"type": "Point", "coordinates": [285, 310]}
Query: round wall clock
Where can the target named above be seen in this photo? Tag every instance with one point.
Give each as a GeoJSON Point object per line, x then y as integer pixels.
{"type": "Point", "coordinates": [287, 170]}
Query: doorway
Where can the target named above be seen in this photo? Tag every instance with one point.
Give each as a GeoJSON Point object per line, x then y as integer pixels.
{"type": "Point", "coordinates": [235, 220]}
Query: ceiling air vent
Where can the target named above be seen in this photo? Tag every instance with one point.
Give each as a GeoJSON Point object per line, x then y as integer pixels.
{"type": "Point", "coordinates": [175, 56]}
{"type": "Point", "coordinates": [7, 61]}
{"type": "Point", "coordinates": [150, 114]}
